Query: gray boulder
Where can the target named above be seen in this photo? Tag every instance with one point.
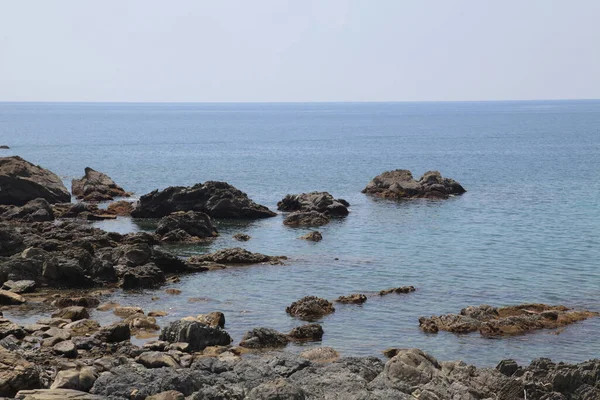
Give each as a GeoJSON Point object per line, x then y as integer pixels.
{"type": "Point", "coordinates": [22, 181]}
{"type": "Point", "coordinates": [197, 334]}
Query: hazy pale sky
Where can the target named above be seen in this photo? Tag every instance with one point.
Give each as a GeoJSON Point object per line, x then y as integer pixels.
{"type": "Point", "coordinates": [278, 50]}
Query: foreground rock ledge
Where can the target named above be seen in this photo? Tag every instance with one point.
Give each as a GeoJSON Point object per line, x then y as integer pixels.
{"type": "Point", "coordinates": [22, 181]}
{"type": "Point", "coordinates": [217, 199]}
{"type": "Point", "coordinates": [491, 321]}
{"type": "Point", "coordinates": [400, 184]}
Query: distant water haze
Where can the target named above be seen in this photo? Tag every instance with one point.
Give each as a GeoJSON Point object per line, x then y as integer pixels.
{"type": "Point", "coordinates": [527, 230]}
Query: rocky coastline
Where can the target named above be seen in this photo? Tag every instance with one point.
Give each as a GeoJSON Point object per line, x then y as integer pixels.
{"type": "Point", "coordinates": [47, 244]}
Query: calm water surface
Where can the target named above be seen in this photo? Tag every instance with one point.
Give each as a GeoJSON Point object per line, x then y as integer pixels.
{"type": "Point", "coordinates": [527, 230]}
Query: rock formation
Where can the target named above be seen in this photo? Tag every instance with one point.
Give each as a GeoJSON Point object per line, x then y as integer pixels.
{"type": "Point", "coordinates": [400, 184]}
{"type": "Point", "coordinates": [96, 186]}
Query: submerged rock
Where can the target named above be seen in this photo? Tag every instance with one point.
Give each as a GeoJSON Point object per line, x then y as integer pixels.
{"type": "Point", "coordinates": [195, 224]}
{"type": "Point", "coordinates": [306, 218]}
{"type": "Point", "coordinates": [321, 202]}
{"type": "Point", "coordinates": [513, 320]}
{"type": "Point", "coordinates": [21, 182]}
{"type": "Point", "coordinates": [310, 307]}
{"type": "Point", "coordinates": [236, 255]}
{"type": "Point", "coordinates": [241, 237]}
{"type": "Point", "coordinates": [398, 290]}
{"type": "Point", "coordinates": [314, 236]}
{"type": "Point", "coordinates": [352, 299]}
{"type": "Point", "coordinates": [96, 186]}
{"type": "Point", "coordinates": [217, 199]}
{"type": "Point", "coordinates": [400, 184]}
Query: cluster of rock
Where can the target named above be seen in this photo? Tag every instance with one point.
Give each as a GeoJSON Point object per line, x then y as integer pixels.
{"type": "Point", "coordinates": [312, 209]}
{"type": "Point", "coordinates": [188, 226]}
{"type": "Point", "coordinates": [96, 186]}
{"type": "Point", "coordinates": [491, 321]}
{"type": "Point", "coordinates": [264, 338]}
{"type": "Point", "coordinates": [400, 184]}
{"type": "Point", "coordinates": [217, 199]}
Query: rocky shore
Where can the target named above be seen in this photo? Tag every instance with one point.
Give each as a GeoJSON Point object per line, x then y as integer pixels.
{"type": "Point", "coordinates": [47, 243]}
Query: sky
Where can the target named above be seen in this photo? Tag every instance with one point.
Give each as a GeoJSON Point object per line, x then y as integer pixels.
{"type": "Point", "coordinates": [299, 51]}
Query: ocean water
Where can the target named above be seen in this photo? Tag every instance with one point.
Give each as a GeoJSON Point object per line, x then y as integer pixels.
{"type": "Point", "coordinates": [527, 230]}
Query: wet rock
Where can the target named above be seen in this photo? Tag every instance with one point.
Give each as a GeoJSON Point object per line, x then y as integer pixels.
{"type": "Point", "coordinates": [400, 184]}
{"type": "Point", "coordinates": [197, 334]}
{"type": "Point", "coordinates": [37, 210]}
{"type": "Point", "coordinates": [96, 186]}
{"type": "Point", "coordinates": [117, 332]}
{"type": "Point", "coordinates": [56, 394]}
{"type": "Point", "coordinates": [306, 218]}
{"type": "Point", "coordinates": [156, 359]}
{"type": "Point", "coordinates": [352, 299]}
{"type": "Point", "coordinates": [10, 298]}
{"type": "Point", "coordinates": [16, 374]}
{"type": "Point", "coordinates": [314, 236]}
{"type": "Point", "coordinates": [309, 332]}
{"type": "Point", "coordinates": [241, 237]}
{"type": "Point", "coordinates": [260, 338]}
{"type": "Point", "coordinates": [217, 199]}
{"type": "Point", "coordinates": [121, 208]}
{"type": "Point", "coordinates": [87, 302]}
{"type": "Point", "coordinates": [73, 313]}
{"type": "Point", "coordinates": [491, 321]}
{"type": "Point", "coordinates": [21, 182]}
{"type": "Point", "coordinates": [77, 379]}
{"type": "Point", "coordinates": [82, 327]}
{"type": "Point", "coordinates": [310, 307]}
{"type": "Point", "coordinates": [398, 290]}
{"type": "Point", "coordinates": [213, 319]}
{"type": "Point", "coordinates": [236, 255]}
{"type": "Point", "coordinates": [195, 224]}
{"type": "Point", "coordinates": [19, 287]}
{"type": "Point", "coordinates": [320, 354]}
{"type": "Point", "coordinates": [321, 202]}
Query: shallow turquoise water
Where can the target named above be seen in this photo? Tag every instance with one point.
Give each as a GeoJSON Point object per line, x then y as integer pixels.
{"type": "Point", "coordinates": [527, 230]}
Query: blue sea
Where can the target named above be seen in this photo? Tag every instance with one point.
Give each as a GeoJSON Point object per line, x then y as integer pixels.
{"type": "Point", "coordinates": [527, 230]}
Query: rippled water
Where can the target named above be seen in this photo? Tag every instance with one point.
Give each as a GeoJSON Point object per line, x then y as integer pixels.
{"type": "Point", "coordinates": [527, 230]}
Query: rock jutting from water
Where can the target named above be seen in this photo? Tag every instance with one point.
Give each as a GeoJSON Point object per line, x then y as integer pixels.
{"type": "Point", "coordinates": [187, 226]}
{"type": "Point", "coordinates": [314, 236]}
{"type": "Point", "coordinates": [400, 184]}
{"type": "Point", "coordinates": [310, 308]}
{"type": "Point", "coordinates": [217, 199]}
{"type": "Point", "coordinates": [352, 299]}
{"type": "Point", "coordinates": [235, 256]}
{"type": "Point", "coordinates": [22, 181]}
{"type": "Point", "coordinates": [4, 147]}
{"type": "Point", "coordinates": [513, 320]}
{"type": "Point", "coordinates": [96, 186]}
{"type": "Point", "coordinates": [398, 290]}
{"type": "Point", "coordinates": [306, 218]}
{"type": "Point", "coordinates": [321, 202]}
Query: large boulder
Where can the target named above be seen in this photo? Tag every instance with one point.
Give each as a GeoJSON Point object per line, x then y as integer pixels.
{"type": "Point", "coordinates": [21, 182]}
{"type": "Point", "coordinates": [16, 374]}
{"type": "Point", "coordinates": [400, 184]}
{"type": "Point", "coordinates": [322, 202]}
{"type": "Point", "coordinates": [217, 199]}
{"type": "Point", "coordinates": [198, 335]}
{"type": "Point", "coordinates": [96, 186]}
{"type": "Point", "coordinates": [195, 224]}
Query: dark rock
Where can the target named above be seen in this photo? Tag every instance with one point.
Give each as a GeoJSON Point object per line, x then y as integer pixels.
{"type": "Point", "coordinates": [314, 236]}
{"type": "Point", "coordinates": [507, 367]}
{"type": "Point", "coordinates": [241, 237]}
{"type": "Point", "coordinates": [310, 307]}
{"type": "Point", "coordinates": [4, 147]}
{"type": "Point", "coordinates": [37, 210]}
{"type": "Point", "coordinates": [217, 199]}
{"type": "Point", "coordinates": [20, 287]}
{"type": "Point", "coordinates": [21, 182]}
{"type": "Point", "coordinates": [11, 242]}
{"type": "Point", "coordinates": [398, 290]}
{"type": "Point", "coordinates": [143, 276]}
{"type": "Point", "coordinates": [260, 338]}
{"type": "Point", "coordinates": [321, 202]}
{"type": "Point", "coordinates": [117, 332]}
{"type": "Point", "coordinates": [309, 332]}
{"type": "Point", "coordinates": [195, 224]}
{"type": "Point", "coordinates": [400, 184]}
{"type": "Point", "coordinates": [73, 313]}
{"type": "Point", "coordinates": [197, 334]}
{"type": "Point", "coordinates": [87, 302]}
{"type": "Point", "coordinates": [306, 218]}
{"type": "Point", "coordinates": [96, 186]}
{"type": "Point", "coordinates": [352, 299]}
{"type": "Point", "coordinates": [236, 255]}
